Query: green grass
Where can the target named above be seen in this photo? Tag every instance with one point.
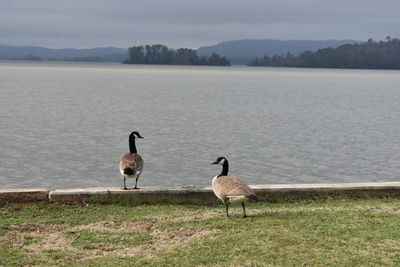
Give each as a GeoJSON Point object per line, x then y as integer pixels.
{"type": "Point", "coordinates": [343, 232]}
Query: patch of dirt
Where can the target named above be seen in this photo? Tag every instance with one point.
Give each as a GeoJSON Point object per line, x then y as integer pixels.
{"type": "Point", "coordinates": [50, 241]}
{"type": "Point", "coordinates": [386, 250]}
{"type": "Point", "coordinates": [386, 209]}
{"type": "Point", "coordinates": [165, 239]}
{"type": "Point", "coordinates": [31, 227]}
{"type": "Point", "coordinates": [389, 247]}
{"type": "Point", "coordinates": [105, 226]}
{"type": "Point", "coordinates": [130, 252]}
{"type": "Point", "coordinates": [39, 238]}
{"type": "Point", "coordinates": [44, 237]}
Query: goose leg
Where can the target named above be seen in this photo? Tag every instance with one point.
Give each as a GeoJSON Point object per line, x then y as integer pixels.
{"type": "Point", "coordinates": [136, 183]}
{"type": "Point", "coordinates": [244, 210]}
{"type": "Point", "coordinates": [227, 215]}
{"type": "Point", "coordinates": [125, 188]}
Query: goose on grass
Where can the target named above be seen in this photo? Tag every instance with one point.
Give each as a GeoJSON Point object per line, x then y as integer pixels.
{"type": "Point", "coordinates": [230, 189]}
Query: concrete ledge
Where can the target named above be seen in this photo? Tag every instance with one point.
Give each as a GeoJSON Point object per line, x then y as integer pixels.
{"type": "Point", "coordinates": [193, 195]}
{"type": "Point", "coordinates": [23, 195]}
{"type": "Point", "coordinates": [270, 193]}
{"type": "Point", "coordinates": [143, 195]}
{"type": "Point", "coordinates": [273, 193]}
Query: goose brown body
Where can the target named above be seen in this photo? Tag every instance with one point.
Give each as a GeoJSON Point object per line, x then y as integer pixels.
{"type": "Point", "coordinates": [230, 188]}
{"type": "Point", "coordinates": [134, 162]}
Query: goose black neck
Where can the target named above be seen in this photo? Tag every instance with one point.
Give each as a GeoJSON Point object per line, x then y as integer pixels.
{"type": "Point", "coordinates": [132, 146]}
{"type": "Point", "coordinates": [225, 168]}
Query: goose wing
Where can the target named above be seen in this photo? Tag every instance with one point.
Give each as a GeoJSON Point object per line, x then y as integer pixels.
{"type": "Point", "coordinates": [228, 186]}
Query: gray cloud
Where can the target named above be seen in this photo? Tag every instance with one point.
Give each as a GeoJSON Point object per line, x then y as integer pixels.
{"type": "Point", "coordinates": [176, 23]}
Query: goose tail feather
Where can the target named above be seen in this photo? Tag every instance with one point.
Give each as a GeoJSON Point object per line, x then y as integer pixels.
{"type": "Point", "coordinates": [253, 197]}
{"type": "Point", "coordinates": [128, 171]}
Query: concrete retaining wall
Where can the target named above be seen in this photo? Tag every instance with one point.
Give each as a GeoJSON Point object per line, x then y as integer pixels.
{"type": "Point", "coordinates": [23, 195]}
{"type": "Point", "coordinates": [144, 195]}
{"type": "Point", "coordinates": [271, 193]}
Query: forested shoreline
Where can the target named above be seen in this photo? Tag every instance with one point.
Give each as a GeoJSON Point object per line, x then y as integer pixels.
{"type": "Point", "coordinates": [368, 55]}
{"type": "Point", "coordinates": [161, 54]}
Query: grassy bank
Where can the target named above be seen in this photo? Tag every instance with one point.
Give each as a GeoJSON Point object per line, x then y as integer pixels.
{"type": "Point", "coordinates": [329, 232]}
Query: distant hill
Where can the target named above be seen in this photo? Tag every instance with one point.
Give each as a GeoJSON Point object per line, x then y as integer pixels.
{"type": "Point", "coordinates": [237, 52]}
{"type": "Point", "coordinates": [242, 51]}
{"type": "Point", "coordinates": [110, 54]}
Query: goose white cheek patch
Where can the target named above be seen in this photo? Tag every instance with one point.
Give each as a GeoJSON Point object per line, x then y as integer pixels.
{"type": "Point", "coordinates": [221, 162]}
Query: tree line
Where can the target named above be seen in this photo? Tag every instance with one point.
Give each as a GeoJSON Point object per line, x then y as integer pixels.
{"type": "Point", "coordinates": [368, 55]}
{"type": "Point", "coordinates": [161, 54]}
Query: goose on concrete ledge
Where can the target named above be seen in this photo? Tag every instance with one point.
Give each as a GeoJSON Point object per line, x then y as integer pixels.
{"type": "Point", "coordinates": [131, 164]}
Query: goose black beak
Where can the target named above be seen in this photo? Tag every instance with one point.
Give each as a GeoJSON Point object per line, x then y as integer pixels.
{"type": "Point", "coordinates": [216, 162]}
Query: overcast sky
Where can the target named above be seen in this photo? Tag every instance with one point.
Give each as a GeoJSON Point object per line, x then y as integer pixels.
{"type": "Point", "coordinates": [187, 23]}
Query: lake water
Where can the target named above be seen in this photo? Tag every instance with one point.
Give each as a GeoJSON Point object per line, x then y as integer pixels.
{"type": "Point", "coordinates": [65, 125]}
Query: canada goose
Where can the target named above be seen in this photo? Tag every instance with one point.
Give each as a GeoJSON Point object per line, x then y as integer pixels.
{"type": "Point", "coordinates": [230, 189]}
{"type": "Point", "coordinates": [131, 164]}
